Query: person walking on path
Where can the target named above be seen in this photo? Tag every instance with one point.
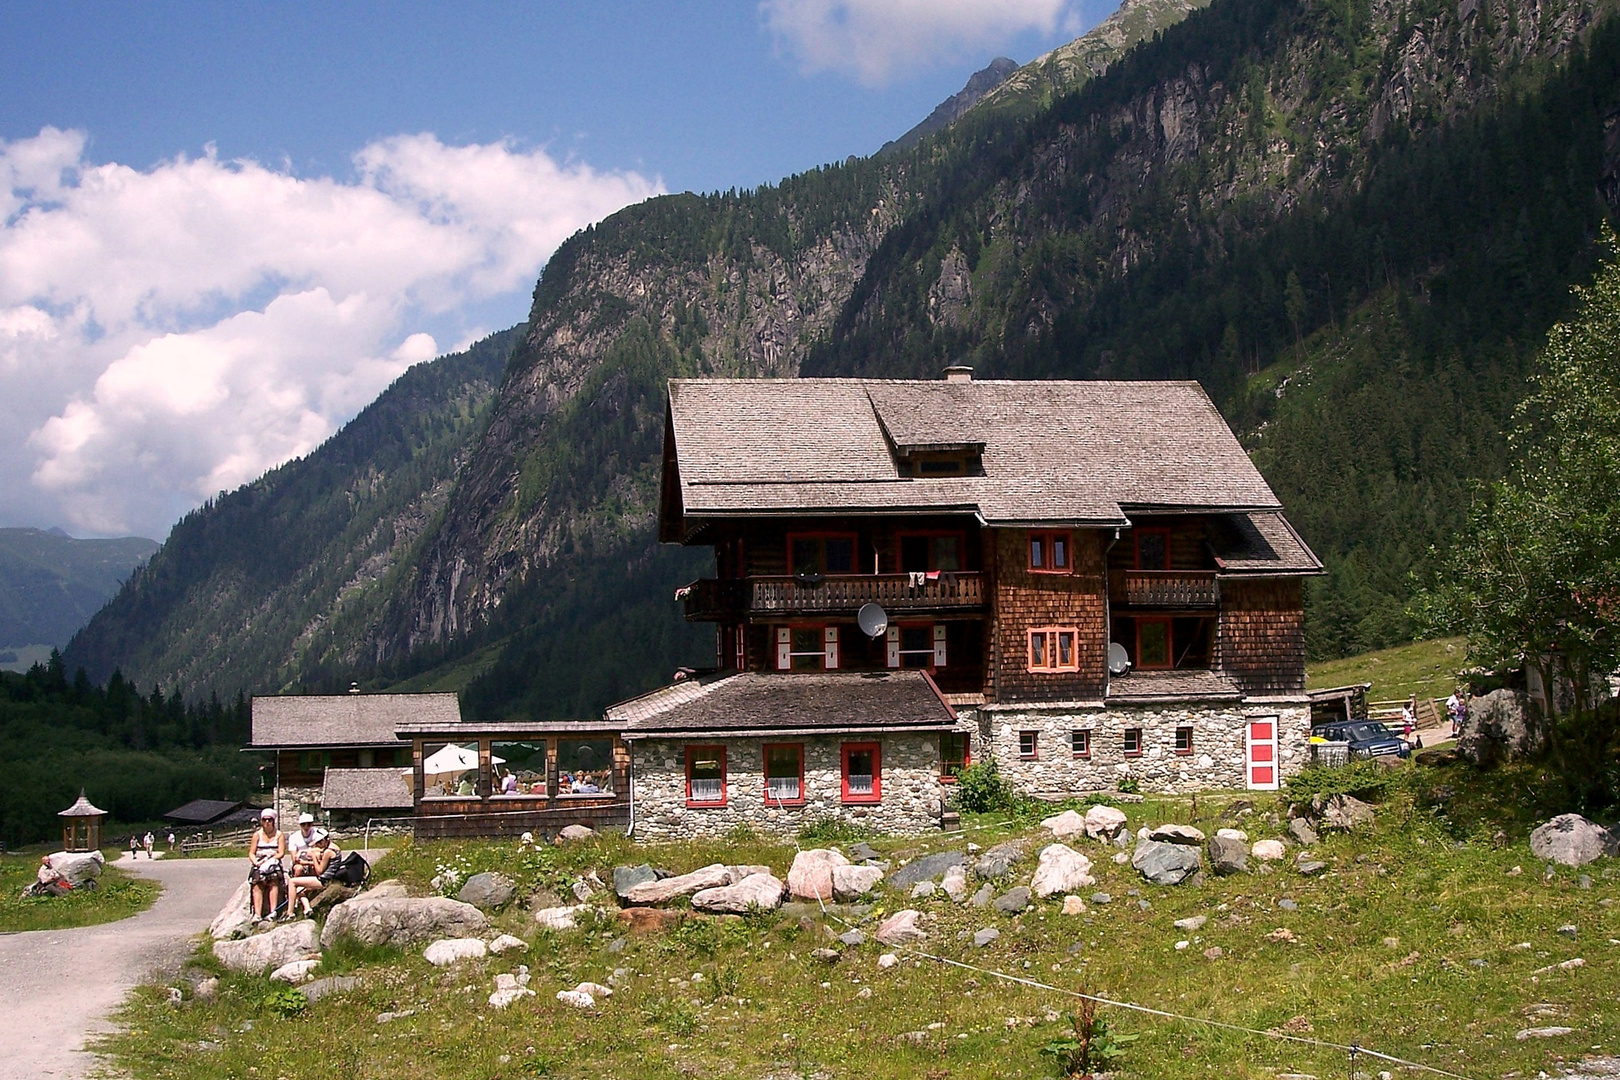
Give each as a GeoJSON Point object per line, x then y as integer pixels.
{"type": "Point", "coordinates": [134, 847]}
{"type": "Point", "coordinates": [147, 841]}
{"type": "Point", "coordinates": [171, 841]}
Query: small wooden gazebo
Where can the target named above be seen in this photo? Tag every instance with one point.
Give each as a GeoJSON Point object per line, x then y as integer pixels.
{"type": "Point", "coordinates": [81, 825]}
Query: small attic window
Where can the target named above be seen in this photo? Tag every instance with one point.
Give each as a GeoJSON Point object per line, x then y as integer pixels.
{"type": "Point", "coordinates": [942, 463]}
{"type": "Point", "coordinates": [941, 467]}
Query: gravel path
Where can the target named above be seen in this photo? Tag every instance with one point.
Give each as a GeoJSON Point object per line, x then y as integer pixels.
{"type": "Point", "coordinates": [60, 985]}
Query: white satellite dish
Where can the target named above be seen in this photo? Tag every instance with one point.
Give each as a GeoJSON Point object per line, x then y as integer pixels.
{"type": "Point", "coordinates": [872, 620]}
{"type": "Point", "coordinates": [1118, 662]}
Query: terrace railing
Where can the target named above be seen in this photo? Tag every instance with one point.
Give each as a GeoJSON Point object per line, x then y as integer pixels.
{"type": "Point", "coordinates": [833, 594]}
{"type": "Point", "coordinates": [1171, 589]}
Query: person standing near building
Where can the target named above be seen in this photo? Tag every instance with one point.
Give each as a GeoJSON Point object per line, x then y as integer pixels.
{"type": "Point", "coordinates": [171, 841]}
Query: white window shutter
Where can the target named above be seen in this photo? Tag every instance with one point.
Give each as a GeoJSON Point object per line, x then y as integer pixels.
{"type": "Point", "coordinates": [829, 637]}
{"type": "Point", "coordinates": [894, 646]}
{"type": "Point", "coordinates": [939, 644]}
{"type": "Point", "coordinates": [784, 648]}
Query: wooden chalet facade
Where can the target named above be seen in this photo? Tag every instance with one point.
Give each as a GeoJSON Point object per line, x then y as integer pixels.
{"type": "Point", "coordinates": [1011, 532]}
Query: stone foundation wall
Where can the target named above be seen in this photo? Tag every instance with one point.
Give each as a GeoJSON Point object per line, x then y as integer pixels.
{"type": "Point", "coordinates": [291, 801]}
{"type": "Point", "coordinates": [1217, 759]}
{"type": "Point", "coordinates": [909, 788]}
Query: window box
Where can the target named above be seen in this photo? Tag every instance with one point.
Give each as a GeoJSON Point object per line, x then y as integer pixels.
{"type": "Point", "coordinates": [1080, 742]}
{"type": "Point", "coordinates": [1184, 740]}
{"type": "Point", "coordinates": [1029, 744]}
{"type": "Point", "coordinates": [784, 774]}
{"type": "Point", "coordinates": [1050, 553]}
{"type": "Point", "coordinates": [1132, 743]}
{"type": "Point", "coordinates": [955, 754]}
{"type": "Point", "coordinates": [862, 773]}
{"type": "Point", "coordinates": [1054, 648]}
{"type": "Point", "coordinates": [705, 776]}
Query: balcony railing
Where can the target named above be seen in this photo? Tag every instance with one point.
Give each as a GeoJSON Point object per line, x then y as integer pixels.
{"type": "Point", "coordinates": [833, 594]}
{"type": "Point", "coordinates": [1180, 589]}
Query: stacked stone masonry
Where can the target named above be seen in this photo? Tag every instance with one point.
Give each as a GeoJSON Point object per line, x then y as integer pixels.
{"type": "Point", "coordinates": [1217, 759]}
{"type": "Point", "coordinates": [909, 788]}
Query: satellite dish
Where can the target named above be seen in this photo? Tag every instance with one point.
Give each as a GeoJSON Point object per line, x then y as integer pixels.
{"type": "Point", "coordinates": [872, 619]}
{"type": "Point", "coordinates": [1118, 662]}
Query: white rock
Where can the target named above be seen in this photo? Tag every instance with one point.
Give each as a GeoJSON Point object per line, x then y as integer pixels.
{"type": "Point", "coordinates": [576, 999]}
{"type": "Point", "coordinates": [1064, 825]}
{"type": "Point", "coordinates": [1232, 834]}
{"type": "Point", "coordinates": [1061, 870]}
{"type": "Point", "coordinates": [922, 890]}
{"type": "Point", "coordinates": [955, 883]}
{"type": "Point", "coordinates": [1543, 1033]}
{"type": "Point", "coordinates": [559, 918]}
{"type": "Point", "coordinates": [283, 945]}
{"type": "Point", "coordinates": [236, 916]}
{"type": "Point", "coordinates": [506, 981]}
{"type": "Point", "coordinates": [811, 875]}
{"type": "Point", "coordinates": [850, 883]}
{"type": "Point", "coordinates": [887, 961]}
{"type": "Point", "coordinates": [1122, 857]}
{"type": "Point", "coordinates": [1103, 822]}
{"type": "Point", "coordinates": [297, 971]}
{"type": "Point", "coordinates": [1569, 839]}
{"type": "Point", "coordinates": [446, 951]}
{"type": "Point", "coordinates": [572, 833]}
{"type": "Point", "coordinates": [1177, 834]}
{"type": "Point", "coordinates": [667, 889]}
{"type": "Point", "coordinates": [754, 892]}
{"type": "Point", "coordinates": [1191, 923]}
{"type": "Point", "coordinates": [595, 990]}
{"type": "Point", "coordinates": [1268, 850]}
{"type": "Point", "coordinates": [1073, 905]}
{"type": "Point", "coordinates": [900, 928]}
{"type": "Point", "coordinates": [78, 866]}
{"type": "Point", "coordinates": [507, 943]}
{"type": "Point", "coordinates": [505, 999]}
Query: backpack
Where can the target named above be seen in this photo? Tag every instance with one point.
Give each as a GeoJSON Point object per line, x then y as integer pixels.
{"type": "Point", "coordinates": [350, 869]}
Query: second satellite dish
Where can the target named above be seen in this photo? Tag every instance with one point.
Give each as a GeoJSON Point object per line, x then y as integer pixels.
{"type": "Point", "coordinates": [1118, 661]}
{"type": "Point", "coordinates": [873, 620]}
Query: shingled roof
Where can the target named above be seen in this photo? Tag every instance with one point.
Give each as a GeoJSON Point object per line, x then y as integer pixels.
{"type": "Point", "coordinates": [1259, 544]}
{"type": "Point", "coordinates": [366, 789]}
{"type": "Point", "coordinates": [1080, 453]}
{"type": "Point", "coordinates": [345, 719]}
{"type": "Point", "coordinates": [756, 704]}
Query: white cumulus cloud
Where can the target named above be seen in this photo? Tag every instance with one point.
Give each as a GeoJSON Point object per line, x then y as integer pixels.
{"type": "Point", "coordinates": [166, 333]}
{"type": "Point", "coordinates": [878, 39]}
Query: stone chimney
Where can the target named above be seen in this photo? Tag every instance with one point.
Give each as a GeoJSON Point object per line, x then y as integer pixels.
{"type": "Point", "coordinates": [958, 373]}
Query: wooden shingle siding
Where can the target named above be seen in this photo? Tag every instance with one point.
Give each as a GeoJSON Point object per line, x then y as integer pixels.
{"type": "Point", "coordinates": [1262, 635]}
{"type": "Point", "coordinates": [1025, 600]}
{"type": "Point", "coordinates": [1189, 545]}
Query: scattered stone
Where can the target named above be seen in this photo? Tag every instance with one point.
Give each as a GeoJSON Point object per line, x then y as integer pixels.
{"type": "Point", "coordinates": [1287, 904]}
{"type": "Point", "coordinates": [640, 920]}
{"type": "Point", "coordinates": [922, 890]}
{"type": "Point", "coordinates": [927, 868]}
{"type": "Point", "coordinates": [1064, 825]}
{"type": "Point", "coordinates": [1104, 822]}
{"type": "Point", "coordinates": [1233, 834]}
{"type": "Point", "coordinates": [1214, 952]}
{"type": "Point", "coordinates": [506, 943]}
{"type": "Point", "coordinates": [811, 876]}
{"type": "Point", "coordinates": [582, 890]}
{"type": "Point", "coordinates": [487, 891]}
{"type": "Point", "coordinates": [176, 998]}
{"type": "Point", "coordinates": [1191, 924]}
{"type": "Point", "coordinates": [1567, 965]}
{"type": "Point", "coordinates": [760, 892]}
{"type": "Point", "coordinates": [1280, 935]}
{"type": "Point", "coordinates": [332, 984]}
{"type": "Point", "coordinates": [1228, 854]}
{"type": "Point", "coordinates": [506, 997]}
{"type": "Point", "coordinates": [1543, 1033]}
{"type": "Point", "coordinates": [663, 890]}
{"type": "Point", "coordinates": [1073, 905]}
{"type": "Point", "coordinates": [1343, 813]}
{"type": "Point", "coordinates": [955, 883]}
{"type": "Point", "coordinates": [1570, 840]}
{"type": "Point", "coordinates": [390, 1017]}
{"type": "Point", "coordinates": [1392, 943]}
{"type": "Point", "coordinates": [1476, 963]}
{"type": "Point", "coordinates": [865, 992]}
{"type": "Point", "coordinates": [1165, 864]}
{"type": "Point", "coordinates": [1584, 881]}
{"type": "Point", "coordinates": [1310, 867]}
{"type": "Point", "coordinates": [1012, 901]}
{"type": "Point", "coordinates": [853, 882]}
{"type": "Point", "coordinates": [998, 861]}
{"type": "Point", "coordinates": [626, 878]}
{"type": "Point", "coordinates": [401, 921]}
{"type": "Point", "coordinates": [1061, 870]}
{"type": "Point", "coordinates": [985, 937]}
{"type": "Point", "coordinates": [1101, 898]}
{"type": "Point", "coordinates": [207, 989]}
{"type": "Point", "coordinates": [571, 834]}
{"type": "Point", "coordinates": [900, 928]}
{"type": "Point", "coordinates": [1568, 930]}
{"type": "Point", "coordinates": [1143, 905]}
{"type": "Point", "coordinates": [983, 897]}
{"type": "Point", "coordinates": [852, 938]}
{"type": "Point", "coordinates": [1121, 858]}
{"type": "Point", "coordinates": [1301, 831]}
{"type": "Point", "coordinates": [236, 917]}
{"type": "Point", "coordinates": [863, 851]}
{"type": "Point", "coordinates": [826, 956]}
{"type": "Point", "coordinates": [559, 918]}
{"type": "Point", "coordinates": [887, 961]}
{"type": "Point", "coordinates": [1268, 850]}
{"type": "Point", "coordinates": [575, 998]}
{"type": "Point", "coordinates": [283, 945]}
{"type": "Point", "coordinates": [447, 951]}
{"type": "Point", "coordinates": [1237, 808]}
{"type": "Point", "coordinates": [296, 972]}
{"type": "Point", "coordinates": [1180, 945]}
{"type": "Point", "coordinates": [1177, 834]}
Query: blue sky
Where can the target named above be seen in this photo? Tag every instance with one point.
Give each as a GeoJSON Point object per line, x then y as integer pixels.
{"type": "Point", "coordinates": [224, 228]}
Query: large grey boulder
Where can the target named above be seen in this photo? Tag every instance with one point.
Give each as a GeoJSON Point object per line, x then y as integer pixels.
{"type": "Point", "coordinates": [1498, 727]}
{"type": "Point", "coordinates": [663, 890]}
{"type": "Point", "coordinates": [998, 861]}
{"type": "Point", "coordinates": [236, 917]}
{"type": "Point", "coordinates": [1571, 840]}
{"type": "Point", "coordinates": [1165, 864]}
{"type": "Point", "coordinates": [927, 868]}
{"type": "Point", "coordinates": [1343, 813]}
{"type": "Point", "coordinates": [402, 920]}
{"type": "Point", "coordinates": [1061, 870]}
{"type": "Point", "coordinates": [756, 892]}
{"type": "Point", "coordinates": [283, 945]}
{"type": "Point", "coordinates": [487, 890]}
{"type": "Point", "coordinates": [78, 866]}
{"type": "Point", "coordinates": [626, 878]}
{"type": "Point", "coordinates": [811, 875]}
{"type": "Point", "coordinates": [1228, 855]}
{"type": "Point", "coordinates": [1301, 831]}
{"type": "Point", "coordinates": [1012, 901]}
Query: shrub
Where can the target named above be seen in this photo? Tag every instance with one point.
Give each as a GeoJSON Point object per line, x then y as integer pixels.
{"type": "Point", "coordinates": [831, 830]}
{"type": "Point", "coordinates": [980, 788]}
{"type": "Point", "coordinates": [1362, 778]}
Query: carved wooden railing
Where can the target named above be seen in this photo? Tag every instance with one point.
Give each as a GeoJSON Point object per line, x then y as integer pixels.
{"type": "Point", "coordinates": [1180, 589]}
{"type": "Point", "coordinates": [832, 593]}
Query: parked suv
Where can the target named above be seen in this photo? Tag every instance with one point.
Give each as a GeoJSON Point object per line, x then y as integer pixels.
{"type": "Point", "coordinates": [1367, 738]}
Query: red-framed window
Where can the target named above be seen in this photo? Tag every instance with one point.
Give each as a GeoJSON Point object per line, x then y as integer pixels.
{"type": "Point", "coordinates": [1152, 547]}
{"type": "Point", "coordinates": [1051, 553]}
{"type": "Point", "coordinates": [821, 553]}
{"type": "Point", "coordinates": [1184, 740]}
{"type": "Point", "coordinates": [811, 647]}
{"type": "Point", "coordinates": [916, 645]}
{"type": "Point", "coordinates": [1155, 644]}
{"type": "Point", "coordinates": [1054, 648]}
{"type": "Point", "coordinates": [1080, 742]}
{"type": "Point", "coordinates": [1029, 745]}
{"type": "Point", "coordinates": [862, 772]}
{"type": "Point", "coordinates": [784, 774]}
{"type": "Point", "coordinates": [705, 776]}
{"type": "Point", "coordinates": [937, 550]}
{"type": "Point", "coordinates": [1131, 742]}
{"type": "Point", "coordinates": [955, 754]}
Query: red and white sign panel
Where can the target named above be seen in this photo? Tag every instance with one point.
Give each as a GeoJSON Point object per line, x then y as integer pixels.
{"type": "Point", "coordinates": [1262, 754]}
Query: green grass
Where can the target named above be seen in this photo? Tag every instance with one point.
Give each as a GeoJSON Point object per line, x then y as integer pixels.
{"type": "Point", "coordinates": [1383, 953]}
{"type": "Point", "coordinates": [119, 897]}
{"type": "Point", "coordinates": [1425, 668]}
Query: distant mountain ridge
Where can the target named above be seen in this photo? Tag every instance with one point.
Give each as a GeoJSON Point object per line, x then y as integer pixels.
{"type": "Point", "coordinates": [947, 112]}
{"type": "Point", "coordinates": [51, 584]}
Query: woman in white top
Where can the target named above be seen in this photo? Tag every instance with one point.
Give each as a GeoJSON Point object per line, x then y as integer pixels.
{"type": "Point", "coordinates": [265, 852]}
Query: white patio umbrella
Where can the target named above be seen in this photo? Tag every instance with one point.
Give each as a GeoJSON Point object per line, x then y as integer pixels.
{"type": "Point", "coordinates": [453, 760]}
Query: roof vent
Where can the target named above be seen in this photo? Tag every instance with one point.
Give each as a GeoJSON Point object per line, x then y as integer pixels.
{"type": "Point", "coordinates": [958, 373]}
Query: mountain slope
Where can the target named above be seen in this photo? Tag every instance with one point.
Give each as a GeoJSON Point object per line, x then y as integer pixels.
{"type": "Point", "coordinates": [51, 584]}
{"type": "Point", "coordinates": [950, 110]}
{"type": "Point", "coordinates": [258, 589]}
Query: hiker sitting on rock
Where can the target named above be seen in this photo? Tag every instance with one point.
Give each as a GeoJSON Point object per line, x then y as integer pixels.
{"type": "Point", "coordinates": [50, 881]}
{"type": "Point", "coordinates": [309, 872]}
{"type": "Point", "coordinates": [265, 852]}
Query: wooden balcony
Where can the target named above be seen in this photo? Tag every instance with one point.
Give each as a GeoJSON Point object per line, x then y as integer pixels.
{"type": "Point", "coordinates": [1180, 590]}
{"type": "Point", "coordinates": [834, 594]}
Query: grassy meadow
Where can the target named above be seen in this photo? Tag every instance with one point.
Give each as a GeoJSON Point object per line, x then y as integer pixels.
{"type": "Point", "coordinates": [120, 896]}
{"type": "Point", "coordinates": [1434, 937]}
{"type": "Point", "coordinates": [1425, 668]}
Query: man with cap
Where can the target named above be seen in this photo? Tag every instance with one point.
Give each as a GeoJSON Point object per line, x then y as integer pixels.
{"type": "Point", "coordinates": [300, 841]}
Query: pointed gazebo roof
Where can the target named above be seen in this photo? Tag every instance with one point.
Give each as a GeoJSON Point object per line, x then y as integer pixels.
{"type": "Point", "coordinates": [82, 808]}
